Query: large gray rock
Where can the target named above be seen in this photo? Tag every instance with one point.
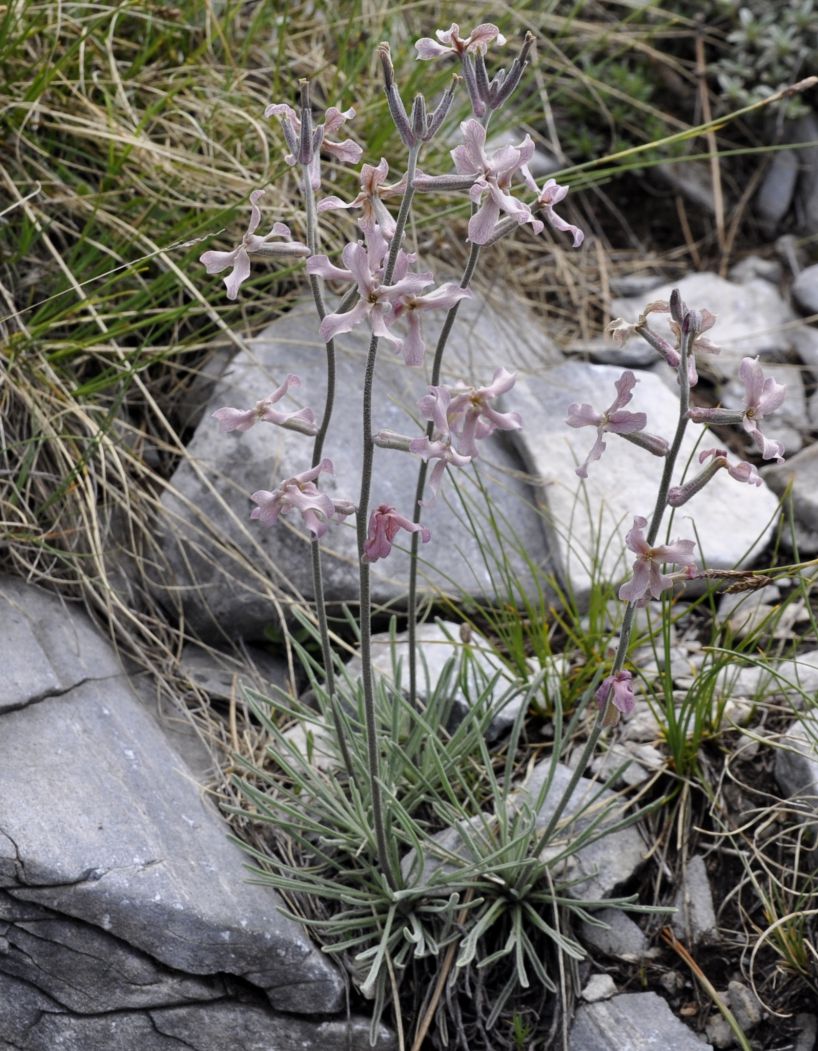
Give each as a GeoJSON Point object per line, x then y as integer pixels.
{"type": "Point", "coordinates": [100, 821]}
{"type": "Point", "coordinates": [753, 319]}
{"type": "Point", "coordinates": [590, 520]}
{"type": "Point", "coordinates": [47, 648]}
{"type": "Point", "coordinates": [631, 1022]}
{"type": "Point", "coordinates": [32, 1020]}
{"type": "Point", "coordinates": [227, 568]}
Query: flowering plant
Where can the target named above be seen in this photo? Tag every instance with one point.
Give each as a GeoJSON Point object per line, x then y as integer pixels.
{"type": "Point", "coordinates": [388, 293]}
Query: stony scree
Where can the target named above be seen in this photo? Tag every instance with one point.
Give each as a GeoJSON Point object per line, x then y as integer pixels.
{"type": "Point", "coordinates": [731, 519]}
{"type": "Point", "coordinates": [228, 567]}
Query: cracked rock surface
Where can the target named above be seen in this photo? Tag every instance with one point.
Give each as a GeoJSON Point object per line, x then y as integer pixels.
{"type": "Point", "coordinates": [126, 918]}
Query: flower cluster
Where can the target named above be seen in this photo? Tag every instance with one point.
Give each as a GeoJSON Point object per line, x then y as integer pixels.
{"type": "Point", "coordinates": [380, 304]}
{"type": "Point", "coordinates": [461, 417]}
{"type": "Point", "coordinates": [387, 292]}
{"type": "Point", "coordinates": [302, 494]}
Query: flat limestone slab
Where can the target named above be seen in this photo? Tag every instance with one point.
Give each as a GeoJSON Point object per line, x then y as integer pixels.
{"type": "Point", "coordinates": [632, 1022]}
{"type": "Point", "coordinates": [100, 820]}
{"type": "Point", "coordinates": [226, 567]}
{"type": "Point", "coordinates": [589, 520]}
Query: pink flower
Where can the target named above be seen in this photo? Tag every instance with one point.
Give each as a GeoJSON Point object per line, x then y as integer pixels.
{"type": "Point", "coordinates": [477, 418]}
{"type": "Point", "coordinates": [648, 580]}
{"type": "Point", "coordinates": [377, 301]}
{"type": "Point", "coordinates": [621, 683]}
{"type": "Point", "coordinates": [762, 395]}
{"type": "Point", "coordinates": [742, 472]}
{"type": "Point", "coordinates": [550, 195]}
{"type": "Point", "coordinates": [243, 419]}
{"type": "Point", "coordinates": [251, 245]}
{"type": "Point", "coordinates": [299, 492]}
{"type": "Point", "coordinates": [347, 152]}
{"type": "Point", "coordinates": [370, 199]}
{"type": "Point", "coordinates": [493, 179]}
{"type": "Point", "coordinates": [451, 43]}
{"type": "Point", "coordinates": [442, 450]}
{"type": "Point", "coordinates": [410, 307]}
{"type": "Point", "coordinates": [384, 523]}
{"type": "Point", "coordinates": [615, 419]}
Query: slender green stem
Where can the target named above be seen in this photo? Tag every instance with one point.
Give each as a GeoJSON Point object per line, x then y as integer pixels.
{"type": "Point", "coordinates": [417, 510]}
{"type": "Point", "coordinates": [373, 753]}
{"type": "Point", "coordinates": [317, 452]}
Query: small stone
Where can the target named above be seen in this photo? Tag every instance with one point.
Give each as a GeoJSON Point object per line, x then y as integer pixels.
{"type": "Point", "coordinates": [754, 266]}
{"type": "Point", "coordinates": [599, 987]}
{"type": "Point", "coordinates": [796, 760]}
{"type": "Point", "coordinates": [695, 918]}
{"type": "Point", "coordinates": [777, 189]}
{"type": "Point", "coordinates": [642, 760]}
{"type": "Point", "coordinates": [223, 674]}
{"type": "Point", "coordinates": [806, 1027]}
{"type": "Point", "coordinates": [619, 936]}
{"type": "Point", "coordinates": [805, 290]}
{"type": "Point", "coordinates": [746, 611]}
{"type": "Point", "coordinates": [636, 354]}
{"type": "Point", "coordinates": [634, 284]}
{"type": "Point", "coordinates": [719, 1032]}
{"type": "Point", "coordinates": [744, 1004]}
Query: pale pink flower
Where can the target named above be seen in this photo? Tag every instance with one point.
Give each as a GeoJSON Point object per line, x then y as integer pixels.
{"type": "Point", "coordinates": [493, 177]}
{"type": "Point", "coordinates": [243, 419]}
{"type": "Point", "coordinates": [299, 492]}
{"type": "Point", "coordinates": [365, 267]}
{"type": "Point", "coordinates": [251, 245]}
{"type": "Point", "coordinates": [648, 580]}
{"type": "Point", "coordinates": [370, 199]}
{"type": "Point", "coordinates": [762, 395]}
{"type": "Point", "coordinates": [476, 417]}
{"type": "Point", "coordinates": [619, 687]}
{"type": "Point", "coordinates": [615, 419]}
{"type": "Point", "coordinates": [451, 43]}
{"type": "Point", "coordinates": [409, 307]}
{"type": "Point", "coordinates": [547, 198]}
{"type": "Point", "coordinates": [741, 471]}
{"type": "Point", "coordinates": [442, 450]}
{"type": "Point", "coordinates": [347, 152]}
{"type": "Point", "coordinates": [384, 523]}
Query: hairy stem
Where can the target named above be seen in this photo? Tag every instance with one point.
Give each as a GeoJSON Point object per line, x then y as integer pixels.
{"type": "Point", "coordinates": [417, 510]}
{"type": "Point", "coordinates": [317, 453]}
{"type": "Point", "coordinates": [373, 754]}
